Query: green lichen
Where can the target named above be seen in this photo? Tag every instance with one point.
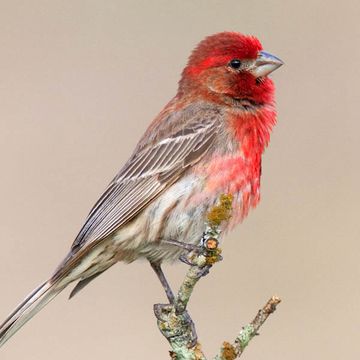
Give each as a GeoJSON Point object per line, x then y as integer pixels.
{"type": "Point", "coordinates": [184, 353]}
{"type": "Point", "coordinates": [246, 334]}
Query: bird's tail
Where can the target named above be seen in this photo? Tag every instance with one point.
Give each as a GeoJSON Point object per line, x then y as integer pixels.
{"type": "Point", "coordinates": [33, 303]}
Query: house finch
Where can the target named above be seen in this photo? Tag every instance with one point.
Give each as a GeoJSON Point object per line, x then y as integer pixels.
{"type": "Point", "coordinates": [207, 141]}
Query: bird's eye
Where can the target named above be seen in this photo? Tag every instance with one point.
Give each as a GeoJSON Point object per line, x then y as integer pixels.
{"type": "Point", "coordinates": [235, 64]}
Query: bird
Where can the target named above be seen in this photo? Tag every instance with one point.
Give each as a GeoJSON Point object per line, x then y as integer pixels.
{"type": "Point", "coordinates": [207, 141]}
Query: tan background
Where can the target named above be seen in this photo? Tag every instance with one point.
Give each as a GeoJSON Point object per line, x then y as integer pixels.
{"type": "Point", "coordinates": [79, 82]}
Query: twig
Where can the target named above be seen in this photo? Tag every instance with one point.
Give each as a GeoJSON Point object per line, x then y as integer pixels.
{"type": "Point", "coordinates": [175, 322]}
{"type": "Point", "coordinates": [232, 351]}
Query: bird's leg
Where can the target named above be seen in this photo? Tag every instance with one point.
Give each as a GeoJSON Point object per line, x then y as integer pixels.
{"type": "Point", "coordinates": [182, 245]}
{"type": "Point", "coordinates": [157, 268]}
{"type": "Point", "coordinates": [174, 321]}
{"type": "Point", "coordinates": [190, 248]}
{"type": "Point", "coordinates": [208, 247]}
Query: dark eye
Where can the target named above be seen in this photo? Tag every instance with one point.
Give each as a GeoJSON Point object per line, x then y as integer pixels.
{"type": "Point", "coordinates": [235, 64]}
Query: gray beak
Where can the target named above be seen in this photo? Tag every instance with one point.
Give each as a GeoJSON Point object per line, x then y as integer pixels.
{"type": "Point", "coordinates": [265, 64]}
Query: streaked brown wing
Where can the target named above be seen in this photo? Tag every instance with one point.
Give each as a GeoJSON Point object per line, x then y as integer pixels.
{"type": "Point", "coordinates": [149, 172]}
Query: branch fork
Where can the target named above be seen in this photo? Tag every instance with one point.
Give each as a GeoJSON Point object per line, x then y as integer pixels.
{"type": "Point", "coordinates": [173, 319]}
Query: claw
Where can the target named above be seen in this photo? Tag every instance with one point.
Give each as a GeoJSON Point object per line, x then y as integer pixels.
{"type": "Point", "coordinates": [185, 246]}
{"type": "Point", "coordinates": [194, 337]}
{"type": "Point", "coordinates": [184, 259]}
{"type": "Point", "coordinates": [204, 271]}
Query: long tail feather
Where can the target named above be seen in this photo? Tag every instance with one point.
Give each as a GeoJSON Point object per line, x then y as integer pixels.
{"type": "Point", "coordinates": [28, 308]}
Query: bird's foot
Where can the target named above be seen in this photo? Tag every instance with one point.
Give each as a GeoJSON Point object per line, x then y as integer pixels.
{"type": "Point", "coordinates": [185, 246]}
{"type": "Point", "coordinates": [208, 247]}
{"type": "Point", "coordinates": [202, 256]}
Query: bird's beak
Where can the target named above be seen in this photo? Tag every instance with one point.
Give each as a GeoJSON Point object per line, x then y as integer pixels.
{"type": "Point", "coordinates": [265, 64]}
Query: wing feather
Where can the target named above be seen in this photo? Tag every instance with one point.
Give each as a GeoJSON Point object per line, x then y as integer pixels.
{"type": "Point", "coordinates": [149, 172]}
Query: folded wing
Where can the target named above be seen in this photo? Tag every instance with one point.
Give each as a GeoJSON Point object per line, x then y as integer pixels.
{"type": "Point", "coordinates": [151, 170]}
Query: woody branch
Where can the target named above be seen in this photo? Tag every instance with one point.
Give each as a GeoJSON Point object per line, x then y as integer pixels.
{"type": "Point", "coordinates": [174, 321]}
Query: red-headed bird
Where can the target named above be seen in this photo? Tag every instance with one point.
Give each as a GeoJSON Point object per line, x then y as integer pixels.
{"type": "Point", "coordinates": [207, 141]}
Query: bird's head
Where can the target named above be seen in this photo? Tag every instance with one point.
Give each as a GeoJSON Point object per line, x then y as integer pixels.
{"type": "Point", "coordinates": [230, 68]}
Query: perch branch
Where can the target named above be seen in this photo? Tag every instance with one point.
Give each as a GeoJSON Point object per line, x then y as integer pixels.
{"type": "Point", "coordinates": [174, 321]}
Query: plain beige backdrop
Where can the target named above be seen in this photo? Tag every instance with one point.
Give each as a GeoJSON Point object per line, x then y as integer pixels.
{"type": "Point", "coordinates": [80, 81]}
